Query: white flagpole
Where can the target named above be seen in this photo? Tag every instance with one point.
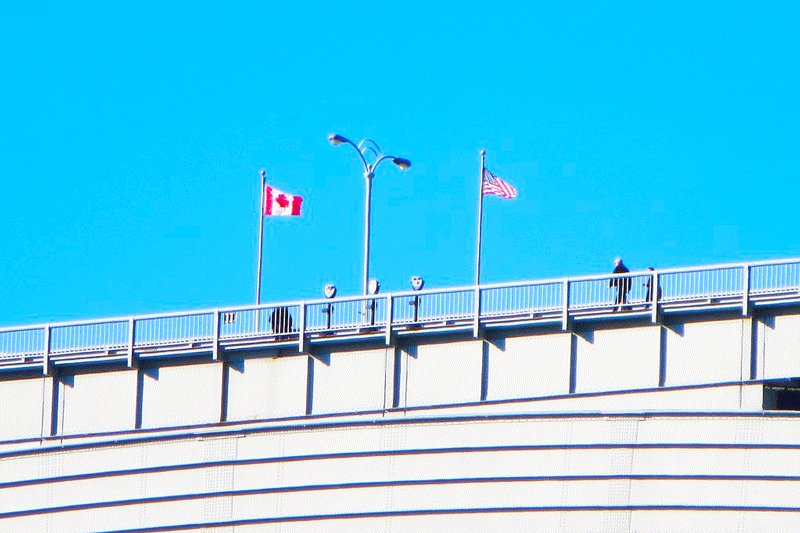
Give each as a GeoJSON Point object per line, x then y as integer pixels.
{"type": "Point", "coordinates": [260, 236]}
{"type": "Point", "coordinates": [480, 221]}
{"type": "Point", "coordinates": [477, 323]}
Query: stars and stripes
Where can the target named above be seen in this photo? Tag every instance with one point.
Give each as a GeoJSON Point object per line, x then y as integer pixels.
{"type": "Point", "coordinates": [496, 186]}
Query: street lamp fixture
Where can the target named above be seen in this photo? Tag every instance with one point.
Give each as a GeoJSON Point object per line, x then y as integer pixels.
{"type": "Point", "coordinates": [336, 139]}
{"type": "Point", "coordinates": [371, 156]}
{"type": "Point", "coordinates": [404, 164]}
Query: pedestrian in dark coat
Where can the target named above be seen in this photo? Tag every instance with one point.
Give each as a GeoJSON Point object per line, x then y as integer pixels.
{"type": "Point", "coordinates": [281, 320]}
{"type": "Point", "coordinates": [623, 284]}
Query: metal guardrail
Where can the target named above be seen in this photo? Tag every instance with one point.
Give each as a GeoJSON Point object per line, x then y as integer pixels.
{"type": "Point", "coordinates": [301, 322]}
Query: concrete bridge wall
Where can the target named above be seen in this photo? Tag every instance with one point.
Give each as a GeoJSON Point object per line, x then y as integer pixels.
{"type": "Point", "coordinates": [694, 361]}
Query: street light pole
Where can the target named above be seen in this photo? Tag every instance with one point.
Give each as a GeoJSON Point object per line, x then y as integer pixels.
{"type": "Point", "coordinates": [367, 224]}
{"type": "Point", "coordinates": [368, 150]}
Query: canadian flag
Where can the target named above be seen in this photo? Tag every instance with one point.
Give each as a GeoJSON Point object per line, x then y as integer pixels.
{"type": "Point", "coordinates": [278, 203]}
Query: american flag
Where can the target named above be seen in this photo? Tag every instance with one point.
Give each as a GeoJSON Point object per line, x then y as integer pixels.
{"type": "Point", "coordinates": [494, 185]}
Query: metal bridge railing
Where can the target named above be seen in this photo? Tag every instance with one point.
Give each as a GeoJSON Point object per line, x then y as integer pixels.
{"type": "Point", "coordinates": [258, 321]}
{"type": "Point", "coordinates": [705, 284]}
{"type": "Point", "coordinates": [176, 329]}
{"type": "Point", "coordinates": [88, 337]}
{"type": "Point", "coordinates": [608, 291]}
{"type": "Point", "coordinates": [738, 284]}
{"type": "Point", "coordinates": [433, 306]}
{"type": "Point", "coordinates": [775, 278]}
{"type": "Point", "coordinates": [21, 343]}
{"type": "Point", "coordinates": [522, 299]}
{"type": "Point", "coordinates": [342, 314]}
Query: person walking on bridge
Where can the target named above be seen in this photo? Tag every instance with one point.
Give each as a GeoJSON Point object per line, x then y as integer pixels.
{"type": "Point", "coordinates": [623, 284]}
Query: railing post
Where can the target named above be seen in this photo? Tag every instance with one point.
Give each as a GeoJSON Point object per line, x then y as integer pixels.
{"type": "Point", "coordinates": [215, 348]}
{"type": "Point", "coordinates": [565, 305]}
{"type": "Point", "coordinates": [131, 338]}
{"type": "Point", "coordinates": [389, 314]}
{"type": "Point", "coordinates": [46, 355]}
{"type": "Point", "coordinates": [301, 345]}
{"type": "Point", "coordinates": [654, 281]}
{"type": "Point", "coordinates": [476, 326]}
{"type": "Point", "coordinates": [745, 289]}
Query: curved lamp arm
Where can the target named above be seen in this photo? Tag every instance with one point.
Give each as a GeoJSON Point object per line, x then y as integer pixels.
{"type": "Point", "coordinates": [368, 145]}
{"type": "Point", "coordinates": [401, 162]}
{"type": "Point", "coordinates": [336, 140]}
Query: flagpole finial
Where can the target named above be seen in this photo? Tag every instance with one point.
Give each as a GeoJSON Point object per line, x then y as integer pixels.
{"type": "Point", "coordinates": [263, 173]}
{"type": "Point", "coordinates": [483, 152]}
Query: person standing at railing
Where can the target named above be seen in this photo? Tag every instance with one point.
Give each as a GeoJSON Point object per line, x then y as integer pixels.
{"type": "Point", "coordinates": [623, 284]}
{"type": "Point", "coordinates": [281, 320]}
{"type": "Point", "coordinates": [649, 286]}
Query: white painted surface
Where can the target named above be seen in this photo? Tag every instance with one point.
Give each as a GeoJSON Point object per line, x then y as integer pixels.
{"type": "Point", "coordinates": [97, 402]}
{"type": "Point", "coordinates": [532, 372]}
{"type": "Point", "coordinates": [716, 398]}
{"type": "Point", "coordinates": [352, 380]}
{"type": "Point", "coordinates": [422, 462]}
{"type": "Point", "coordinates": [782, 346]}
{"type": "Point", "coordinates": [448, 372]}
{"type": "Point", "coordinates": [705, 352]}
{"type": "Point", "coordinates": [524, 367]}
{"type": "Point", "coordinates": [617, 359]}
{"type": "Point", "coordinates": [553, 464]}
{"type": "Point", "coordinates": [24, 407]}
{"type": "Point", "coordinates": [181, 395]}
{"type": "Point", "coordinates": [267, 387]}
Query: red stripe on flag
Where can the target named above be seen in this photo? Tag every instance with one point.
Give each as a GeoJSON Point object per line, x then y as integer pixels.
{"type": "Point", "coordinates": [267, 200]}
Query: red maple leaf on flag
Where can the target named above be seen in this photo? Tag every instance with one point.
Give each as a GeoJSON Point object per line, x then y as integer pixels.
{"type": "Point", "coordinates": [279, 203]}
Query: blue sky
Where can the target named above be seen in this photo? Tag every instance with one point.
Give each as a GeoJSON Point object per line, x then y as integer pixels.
{"type": "Point", "coordinates": [131, 136]}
